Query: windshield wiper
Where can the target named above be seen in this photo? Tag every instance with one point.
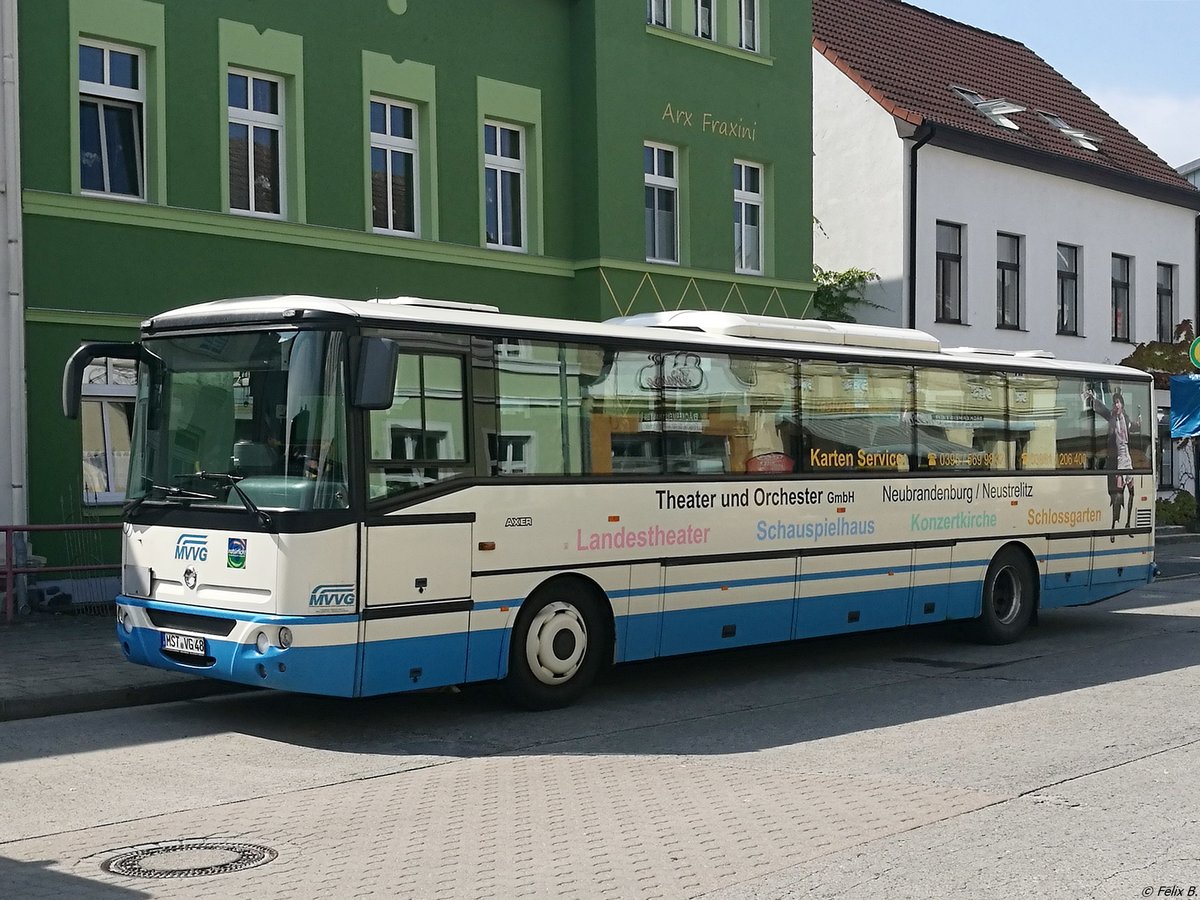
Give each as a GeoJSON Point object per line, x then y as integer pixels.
{"type": "Point", "coordinates": [232, 480]}
{"type": "Point", "coordinates": [169, 490]}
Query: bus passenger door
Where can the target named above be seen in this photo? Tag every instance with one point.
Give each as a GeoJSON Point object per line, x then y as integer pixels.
{"type": "Point", "coordinates": [417, 601]}
{"type": "Point", "coordinates": [417, 565]}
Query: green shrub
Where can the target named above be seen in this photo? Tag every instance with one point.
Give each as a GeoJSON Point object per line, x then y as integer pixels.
{"type": "Point", "coordinates": [1179, 510]}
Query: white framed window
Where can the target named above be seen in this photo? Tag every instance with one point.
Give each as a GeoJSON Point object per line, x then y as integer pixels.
{"type": "Point", "coordinates": [106, 415]}
{"type": "Point", "coordinates": [1077, 136]}
{"type": "Point", "coordinates": [748, 24]}
{"type": "Point", "coordinates": [704, 19]}
{"type": "Point", "coordinates": [112, 105]}
{"type": "Point", "coordinates": [658, 12]}
{"type": "Point", "coordinates": [747, 217]}
{"type": "Point", "coordinates": [997, 110]}
{"type": "Point", "coordinates": [512, 348]}
{"type": "Point", "coordinates": [662, 202]}
{"type": "Point", "coordinates": [511, 454]}
{"type": "Point", "coordinates": [256, 144]}
{"type": "Point", "coordinates": [394, 200]}
{"type": "Point", "coordinates": [504, 185]}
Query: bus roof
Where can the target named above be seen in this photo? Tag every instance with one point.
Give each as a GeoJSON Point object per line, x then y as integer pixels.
{"type": "Point", "coordinates": [735, 332]}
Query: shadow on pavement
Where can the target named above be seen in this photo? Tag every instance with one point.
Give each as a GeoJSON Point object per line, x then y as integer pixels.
{"type": "Point", "coordinates": [36, 879]}
{"type": "Point", "coordinates": [835, 686]}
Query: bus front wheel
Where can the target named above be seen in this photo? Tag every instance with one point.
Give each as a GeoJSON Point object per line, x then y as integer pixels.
{"type": "Point", "coordinates": [557, 647]}
{"type": "Point", "coordinates": [1009, 594]}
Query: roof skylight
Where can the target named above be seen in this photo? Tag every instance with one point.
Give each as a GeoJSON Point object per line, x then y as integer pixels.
{"type": "Point", "coordinates": [996, 110]}
{"type": "Point", "coordinates": [1078, 137]}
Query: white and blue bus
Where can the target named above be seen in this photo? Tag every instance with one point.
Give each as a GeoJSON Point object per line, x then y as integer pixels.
{"type": "Point", "coordinates": [355, 498]}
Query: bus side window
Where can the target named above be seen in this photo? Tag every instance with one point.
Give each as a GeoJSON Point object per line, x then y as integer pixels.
{"type": "Point", "coordinates": [962, 421]}
{"type": "Point", "coordinates": [421, 439]}
{"type": "Point", "coordinates": [857, 418]}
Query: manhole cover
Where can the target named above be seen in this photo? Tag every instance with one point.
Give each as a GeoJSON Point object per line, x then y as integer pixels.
{"type": "Point", "coordinates": [187, 859]}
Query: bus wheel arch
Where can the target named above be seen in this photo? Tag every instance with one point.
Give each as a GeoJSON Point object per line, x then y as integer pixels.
{"type": "Point", "coordinates": [1009, 598]}
{"type": "Point", "coordinates": [560, 640]}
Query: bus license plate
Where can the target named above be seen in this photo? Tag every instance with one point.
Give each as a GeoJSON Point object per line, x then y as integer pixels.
{"type": "Point", "coordinates": [184, 643]}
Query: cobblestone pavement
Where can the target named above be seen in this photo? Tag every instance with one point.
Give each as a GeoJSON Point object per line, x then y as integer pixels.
{"type": "Point", "coordinates": [58, 664]}
{"type": "Point", "coordinates": [907, 764]}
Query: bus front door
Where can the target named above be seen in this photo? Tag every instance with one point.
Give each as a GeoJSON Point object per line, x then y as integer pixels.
{"type": "Point", "coordinates": [416, 614]}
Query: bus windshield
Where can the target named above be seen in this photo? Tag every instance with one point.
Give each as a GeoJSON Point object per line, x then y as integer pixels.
{"type": "Point", "coordinates": [262, 410]}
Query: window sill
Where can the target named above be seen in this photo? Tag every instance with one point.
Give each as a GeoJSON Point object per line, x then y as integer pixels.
{"type": "Point", "coordinates": [1074, 334]}
{"type": "Point", "coordinates": [662, 262]}
{"type": "Point", "coordinates": [1118, 340]}
{"type": "Point", "coordinates": [104, 504]}
{"type": "Point", "coordinates": [949, 322]}
{"type": "Point", "coordinates": [253, 214]}
{"type": "Point", "coordinates": [706, 44]}
{"type": "Point", "coordinates": [504, 248]}
{"type": "Point", "coordinates": [106, 195]}
{"type": "Point", "coordinates": [1000, 327]}
{"type": "Point", "coordinates": [390, 232]}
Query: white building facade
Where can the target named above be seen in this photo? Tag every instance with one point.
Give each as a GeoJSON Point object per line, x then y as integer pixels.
{"type": "Point", "coordinates": [983, 241]}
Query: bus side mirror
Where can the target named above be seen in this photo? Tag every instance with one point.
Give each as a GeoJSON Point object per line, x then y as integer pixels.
{"type": "Point", "coordinates": [375, 377]}
{"type": "Point", "coordinates": [78, 362]}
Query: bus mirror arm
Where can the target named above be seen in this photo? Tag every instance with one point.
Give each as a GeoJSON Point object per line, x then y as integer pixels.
{"type": "Point", "coordinates": [77, 364]}
{"type": "Point", "coordinates": [375, 373]}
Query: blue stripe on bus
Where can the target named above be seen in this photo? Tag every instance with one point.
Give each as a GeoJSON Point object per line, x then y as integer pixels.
{"type": "Point", "coordinates": [656, 590]}
{"type": "Point", "coordinates": [392, 664]}
{"type": "Point", "coordinates": [1108, 551]}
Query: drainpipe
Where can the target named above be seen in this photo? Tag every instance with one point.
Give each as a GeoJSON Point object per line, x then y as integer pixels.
{"type": "Point", "coordinates": [912, 220]}
{"type": "Point", "coordinates": [13, 313]}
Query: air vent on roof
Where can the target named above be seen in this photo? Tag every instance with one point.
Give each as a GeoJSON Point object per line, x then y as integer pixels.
{"type": "Point", "coordinates": [993, 351]}
{"type": "Point", "coordinates": [1078, 137]}
{"type": "Point", "coordinates": [996, 110]}
{"type": "Point", "coordinates": [774, 328]}
{"type": "Point", "coordinates": [439, 304]}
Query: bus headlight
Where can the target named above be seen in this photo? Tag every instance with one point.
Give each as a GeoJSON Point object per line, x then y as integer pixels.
{"type": "Point", "coordinates": [261, 643]}
{"type": "Point", "coordinates": [285, 637]}
{"type": "Point", "coordinates": [126, 621]}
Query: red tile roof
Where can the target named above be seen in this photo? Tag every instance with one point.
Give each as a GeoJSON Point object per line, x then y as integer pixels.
{"type": "Point", "coordinates": [908, 60]}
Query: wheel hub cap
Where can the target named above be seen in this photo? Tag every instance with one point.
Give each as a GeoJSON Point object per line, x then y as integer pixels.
{"type": "Point", "coordinates": [557, 643]}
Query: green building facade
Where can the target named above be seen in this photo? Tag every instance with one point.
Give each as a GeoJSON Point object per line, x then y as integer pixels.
{"type": "Point", "coordinates": [571, 158]}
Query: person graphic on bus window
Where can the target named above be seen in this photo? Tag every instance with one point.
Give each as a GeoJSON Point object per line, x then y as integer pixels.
{"type": "Point", "coordinates": [1118, 460]}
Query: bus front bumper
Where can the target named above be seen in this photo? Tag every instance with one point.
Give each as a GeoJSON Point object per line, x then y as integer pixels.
{"type": "Point", "coordinates": [321, 658]}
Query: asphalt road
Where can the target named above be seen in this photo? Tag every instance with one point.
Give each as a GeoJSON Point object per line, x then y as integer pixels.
{"type": "Point", "coordinates": [906, 764]}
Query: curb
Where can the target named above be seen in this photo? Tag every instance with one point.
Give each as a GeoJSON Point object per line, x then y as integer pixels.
{"type": "Point", "coordinates": [1185, 537]}
{"type": "Point", "coordinates": [14, 708]}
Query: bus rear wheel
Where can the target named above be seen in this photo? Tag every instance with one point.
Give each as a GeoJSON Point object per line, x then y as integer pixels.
{"type": "Point", "coordinates": [1009, 594]}
{"type": "Point", "coordinates": [557, 647]}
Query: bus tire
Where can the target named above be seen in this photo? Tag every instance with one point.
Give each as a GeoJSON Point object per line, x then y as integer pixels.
{"type": "Point", "coordinates": [557, 646]}
{"type": "Point", "coordinates": [1009, 595]}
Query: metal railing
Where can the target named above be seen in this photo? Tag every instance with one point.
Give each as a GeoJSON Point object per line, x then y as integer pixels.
{"type": "Point", "coordinates": [11, 570]}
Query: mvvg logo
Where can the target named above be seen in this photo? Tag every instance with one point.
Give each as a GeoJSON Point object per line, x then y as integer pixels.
{"type": "Point", "coordinates": [192, 546]}
{"type": "Point", "coordinates": [332, 595]}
